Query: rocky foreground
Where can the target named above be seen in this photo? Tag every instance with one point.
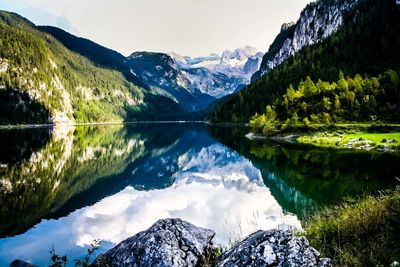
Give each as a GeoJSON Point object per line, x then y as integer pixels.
{"type": "Point", "coordinates": [173, 242]}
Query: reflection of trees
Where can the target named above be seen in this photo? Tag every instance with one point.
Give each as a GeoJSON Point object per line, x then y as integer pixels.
{"type": "Point", "coordinates": [19, 144]}
{"type": "Point", "coordinates": [72, 161]}
{"type": "Point", "coordinates": [302, 179]}
{"type": "Point", "coordinates": [80, 165]}
{"type": "Point", "coordinates": [327, 176]}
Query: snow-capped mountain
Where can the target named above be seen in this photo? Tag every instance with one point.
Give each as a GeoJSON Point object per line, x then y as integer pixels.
{"type": "Point", "coordinates": [194, 83]}
{"type": "Point", "coordinates": [220, 75]}
{"type": "Point", "coordinates": [159, 72]}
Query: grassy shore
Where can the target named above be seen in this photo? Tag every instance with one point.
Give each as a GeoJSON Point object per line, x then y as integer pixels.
{"type": "Point", "coordinates": [363, 232]}
{"type": "Point", "coordinates": [356, 136]}
{"type": "Point", "coordinates": [383, 141]}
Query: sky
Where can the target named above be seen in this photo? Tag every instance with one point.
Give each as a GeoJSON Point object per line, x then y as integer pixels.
{"type": "Point", "coordinates": [187, 27]}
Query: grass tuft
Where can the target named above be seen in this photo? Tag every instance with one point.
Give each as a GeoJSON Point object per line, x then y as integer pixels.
{"type": "Point", "coordinates": [359, 233]}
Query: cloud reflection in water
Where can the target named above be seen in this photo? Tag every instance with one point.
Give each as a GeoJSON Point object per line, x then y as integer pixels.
{"type": "Point", "coordinates": [214, 188]}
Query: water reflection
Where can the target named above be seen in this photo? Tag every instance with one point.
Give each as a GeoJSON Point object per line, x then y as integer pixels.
{"type": "Point", "coordinates": [199, 180]}
{"type": "Point", "coordinates": [72, 160]}
{"type": "Point", "coordinates": [109, 182]}
{"type": "Point", "coordinates": [304, 179]}
{"type": "Point", "coordinates": [19, 144]}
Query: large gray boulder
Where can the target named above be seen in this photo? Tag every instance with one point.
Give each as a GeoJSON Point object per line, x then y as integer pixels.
{"type": "Point", "coordinates": [168, 242]}
{"type": "Point", "coordinates": [272, 248]}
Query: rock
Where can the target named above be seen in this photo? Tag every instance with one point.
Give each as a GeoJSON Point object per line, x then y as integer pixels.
{"type": "Point", "coordinates": [317, 21]}
{"type": "Point", "coordinates": [272, 248]}
{"type": "Point", "coordinates": [393, 141]}
{"type": "Point", "coordinates": [385, 150]}
{"type": "Point", "coordinates": [20, 263]}
{"type": "Point", "coordinates": [384, 141]}
{"type": "Point", "coordinates": [254, 136]}
{"type": "Point", "coordinates": [286, 138]}
{"type": "Point", "coordinates": [168, 242]}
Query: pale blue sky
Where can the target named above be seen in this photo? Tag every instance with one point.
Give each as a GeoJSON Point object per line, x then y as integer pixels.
{"type": "Point", "coordinates": [188, 27]}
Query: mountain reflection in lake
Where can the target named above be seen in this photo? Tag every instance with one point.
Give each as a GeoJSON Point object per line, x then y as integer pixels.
{"type": "Point", "coordinates": [109, 182]}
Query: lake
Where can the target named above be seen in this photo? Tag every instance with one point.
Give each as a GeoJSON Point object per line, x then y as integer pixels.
{"type": "Point", "coordinates": [65, 187]}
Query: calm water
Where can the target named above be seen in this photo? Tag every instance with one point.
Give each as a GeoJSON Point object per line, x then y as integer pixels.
{"type": "Point", "coordinates": [68, 186]}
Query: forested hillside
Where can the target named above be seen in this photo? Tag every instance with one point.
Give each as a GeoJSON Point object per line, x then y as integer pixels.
{"type": "Point", "coordinates": [351, 99]}
{"type": "Point", "coordinates": [42, 81]}
{"type": "Point", "coordinates": [366, 44]}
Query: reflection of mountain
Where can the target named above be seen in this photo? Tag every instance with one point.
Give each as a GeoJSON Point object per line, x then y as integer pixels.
{"type": "Point", "coordinates": [153, 170]}
{"type": "Point", "coordinates": [191, 177]}
{"type": "Point", "coordinates": [302, 179]}
{"type": "Point", "coordinates": [79, 166]}
{"type": "Point", "coordinates": [215, 164]}
{"type": "Point", "coordinates": [72, 161]}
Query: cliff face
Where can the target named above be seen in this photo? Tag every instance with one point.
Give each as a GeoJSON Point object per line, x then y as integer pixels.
{"type": "Point", "coordinates": [317, 22]}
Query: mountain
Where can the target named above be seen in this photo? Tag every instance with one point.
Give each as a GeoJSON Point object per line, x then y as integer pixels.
{"type": "Point", "coordinates": [194, 83]}
{"type": "Point", "coordinates": [220, 75]}
{"type": "Point", "coordinates": [355, 37]}
{"type": "Point", "coordinates": [99, 55]}
{"type": "Point", "coordinates": [158, 71]}
{"type": "Point", "coordinates": [155, 72]}
{"type": "Point", "coordinates": [48, 75]}
{"type": "Point", "coordinates": [42, 81]}
{"type": "Point", "coordinates": [317, 22]}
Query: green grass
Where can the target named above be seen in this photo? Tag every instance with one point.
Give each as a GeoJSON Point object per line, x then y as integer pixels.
{"type": "Point", "coordinates": [377, 137]}
{"type": "Point", "coordinates": [339, 139]}
{"type": "Point", "coordinates": [364, 233]}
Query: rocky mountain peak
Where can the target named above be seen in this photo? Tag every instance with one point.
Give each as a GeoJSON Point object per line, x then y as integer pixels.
{"type": "Point", "coordinates": [242, 53]}
{"type": "Point", "coordinates": [317, 21]}
{"type": "Point", "coordinates": [219, 75]}
{"type": "Point", "coordinates": [287, 25]}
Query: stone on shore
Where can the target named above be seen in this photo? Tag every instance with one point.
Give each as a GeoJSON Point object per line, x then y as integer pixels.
{"type": "Point", "coordinates": [168, 242]}
{"type": "Point", "coordinates": [272, 248]}
{"type": "Point", "coordinates": [176, 243]}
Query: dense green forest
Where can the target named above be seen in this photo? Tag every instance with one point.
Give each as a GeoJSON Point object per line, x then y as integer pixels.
{"type": "Point", "coordinates": [367, 43]}
{"type": "Point", "coordinates": [350, 99]}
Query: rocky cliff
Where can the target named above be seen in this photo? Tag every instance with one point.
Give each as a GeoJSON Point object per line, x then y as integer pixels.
{"type": "Point", "coordinates": [317, 21]}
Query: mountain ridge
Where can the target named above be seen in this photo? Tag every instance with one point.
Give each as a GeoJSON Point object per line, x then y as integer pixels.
{"type": "Point", "coordinates": [42, 81]}
{"type": "Point", "coordinates": [193, 89]}
{"type": "Point", "coordinates": [363, 44]}
{"type": "Point", "coordinates": [317, 21]}
{"type": "Point", "coordinates": [220, 75]}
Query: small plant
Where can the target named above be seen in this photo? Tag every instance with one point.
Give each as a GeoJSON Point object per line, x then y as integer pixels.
{"type": "Point", "coordinates": [56, 260]}
{"type": "Point", "coordinates": [90, 251]}
{"type": "Point", "coordinates": [62, 261]}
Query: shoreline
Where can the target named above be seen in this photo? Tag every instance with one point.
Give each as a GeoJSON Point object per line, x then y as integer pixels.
{"type": "Point", "coordinates": [45, 125]}
{"type": "Point", "coordinates": [51, 125]}
{"type": "Point", "coordinates": [330, 140]}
